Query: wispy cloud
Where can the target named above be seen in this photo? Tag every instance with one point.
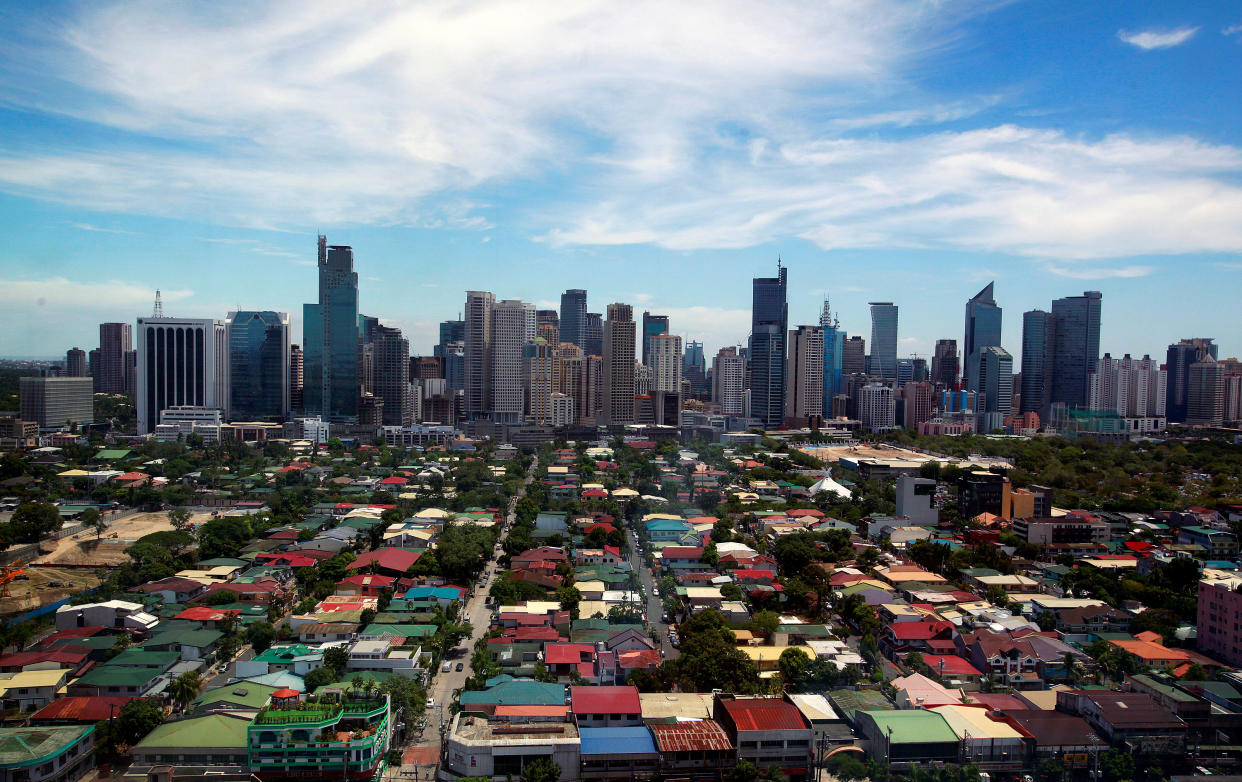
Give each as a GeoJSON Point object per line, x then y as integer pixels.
{"type": "Point", "coordinates": [1157, 39]}
{"type": "Point", "coordinates": [1232, 30]}
{"type": "Point", "coordinates": [1229, 266]}
{"type": "Point", "coordinates": [102, 230]}
{"type": "Point", "coordinates": [1098, 272]}
{"type": "Point", "coordinates": [62, 293]}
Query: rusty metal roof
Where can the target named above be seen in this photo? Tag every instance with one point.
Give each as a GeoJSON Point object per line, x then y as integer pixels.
{"type": "Point", "coordinates": [695, 735]}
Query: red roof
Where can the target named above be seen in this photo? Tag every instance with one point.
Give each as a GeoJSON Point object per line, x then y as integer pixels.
{"type": "Point", "coordinates": [638, 658]}
{"type": "Point", "coordinates": [94, 708]}
{"type": "Point", "coordinates": [681, 552]}
{"type": "Point", "coordinates": [952, 665]}
{"type": "Point", "coordinates": [206, 614]}
{"type": "Point", "coordinates": [286, 693]}
{"type": "Point", "coordinates": [801, 512]}
{"type": "Point", "coordinates": [605, 700]}
{"type": "Point", "coordinates": [396, 559]}
{"type": "Point", "coordinates": [562, 654]}
{"type": "Point", "coordinates": [285, 534]}
{"type": "Point", "coordinates": [764, 714]}
{"type": "Point", "coordinates": [605, 526]}
{"type": "Point", "coordinates": [363, 579]}
{"type": "Point", "coordinates": [919, 631]}
{"type": "Point", "coordinates": [592, 494]}
{"type": "Point", "coordinates": [691, 736]}
{"type": "Point", "coordinates": [760, 575]}
{"type": "Point", "coordinates": [22, 659]}
{"type": "Point", "coordinates": [394, 480]}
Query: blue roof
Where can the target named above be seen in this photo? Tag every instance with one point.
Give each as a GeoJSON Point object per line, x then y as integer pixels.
{"type": "Point", "coordinates": [439, 593]}
{"type": "Point", "coordinates": [617, 741]}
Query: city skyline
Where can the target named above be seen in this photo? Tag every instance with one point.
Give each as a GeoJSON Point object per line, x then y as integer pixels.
{"type": "Point", "coordinates": [887, 151]}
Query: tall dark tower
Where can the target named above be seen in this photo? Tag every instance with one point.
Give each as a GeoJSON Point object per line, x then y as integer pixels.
{"type": "Point", "coordinates": [769, 325]}
{"type": "Point", "coordinates": [330, 338]}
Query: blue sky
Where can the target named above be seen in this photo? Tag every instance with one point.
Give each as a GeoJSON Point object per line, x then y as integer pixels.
{"type": "Point", "coordinates": [655, 153]}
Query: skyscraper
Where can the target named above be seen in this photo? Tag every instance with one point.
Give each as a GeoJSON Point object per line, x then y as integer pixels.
{"type": "Point", "coordinates": [729, 381]}
{"type": "Point", "coordinates": [330, 338]}
{"type": "Point", "coordinates": [853, 358]}
{"type": "Point", "coordinates": [652, 325]}
{"type": "Point", "coordinates": [182, 362]}
{"type": "Point", "coordinates": [995, 380]}
{"type": "Point", "coordinates": [983, 329]}
{"type": "Point", "coordinates": [666, 375]}
{"type": "Point", "coordinates": [75, 362]}
{"type": "Point", "coordinates": [115, 359]}
{"type": "Point", "coordinates": [295, 377]}
{"type": "Point", "coordinates": [768, 326]}
{"type": "Point", "coordinates": [548, 326]}
{"type": "Point", "coordinates": [1075, 347]}
{"type": "Point", "coordinates": [541, 377]}
{"type": "Point", "coordinates": [390, 375]}
{"type": "Point", "coordinates": [883, 339]}
{"type": "Point", "coordinates": [1206, 393]}
{"type": "Point", "coordinates": [56, 402]}
{"type": "Point", "coordinates": [574, 317]}
{"type": "Point", "coordinates": [917, 403]}
{"type": "Point", "coordinates": [694, 367]}
{"type": "Point", "coordinates": [618, 365]}
{"type": "Point", "coordinates": [476, 354]}
{"type": "Point", "coordinates": [834, 354]}
{"type": "Point", "coordinates": [804, 395]}
{"type": "Point", "coordinates": [1037, 331]}
{"type": "Point", "coordinates": [259, 358]}
{"type": "Point", "coordinates": [1178, 361]}
{"type": "Point", "coordinates": [450, 331]}
{"type": "Point", "coordinates": [944, 365]}
{"type": "Point", "coordinates": [593, 335]}
{"type": "Point", "coordinates": [1131, 388]}
{"type": "Point", "coordinates": [513, 327]}
{"type": "Point", "coordinates": [877, 411]}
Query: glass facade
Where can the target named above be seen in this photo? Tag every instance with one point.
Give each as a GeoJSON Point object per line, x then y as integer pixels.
{"type": "Point", "coordinates": [1075, 347]}
{"type": "Point", "coordinates": [258, 366]}
{"type": "Point", "coordinates": [574, 316]}
{"type": "Point", "coordinates": [983, 330]}
{"type": "Point", "coordinates": [330, 327]}
{"type": "Point", "coordinates": [768, 328]}
{"type": "Point", "coordinates": [1036, 355]}
{"type": "Point", "coordinates": [653, 325]}
{"type": "Point", "coordinates": [883, 339]}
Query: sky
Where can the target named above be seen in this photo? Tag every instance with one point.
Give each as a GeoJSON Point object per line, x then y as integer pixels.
{"type": "Point", "coordinates": [656, 153]}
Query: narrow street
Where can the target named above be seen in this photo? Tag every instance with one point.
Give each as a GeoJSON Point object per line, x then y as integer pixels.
{"type": "Point", "coordinates": [655, 606]}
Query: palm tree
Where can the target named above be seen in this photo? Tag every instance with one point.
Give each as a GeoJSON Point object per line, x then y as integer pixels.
{"type": "Point", "coordinates": [184, 688]}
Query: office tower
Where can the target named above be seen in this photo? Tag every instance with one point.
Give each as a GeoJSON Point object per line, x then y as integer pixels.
{"type": "Point", "coordinates": [694, 368]}
{"type": "Point", "coordinates": [876, 407]}
{"type": "Point", "coordinates": [367, 327]}
{"type": "Point", "coordinates": [768, 326]}
{"type": "Point", "coordinates": [295, 377]}
{"type": "Point", "coordinates": [883, 359]}
{"type": "Point", "coordinates": [905, 371]}
{"type": "Point", "coordinates": [183, 362]}
{"type": "Point", "coordinates": [259, 359]}
{"type": "Point", "coordinates": [548, 326]}
{"type": "Point", "coordinates": [450, 331]}
{"type": "Point", "coordinates": [1075, 347]}
{"type": "Point", "coordinates": [652, 325]}
{"type": "Point", "coordinates": [1177, 362]}
{"type": "Point", "coordinates": [1233, 399]}
{"type": "Point", "coordinates": [804, 394]}
{"type": "Point", "coordinates": [983, 330]}
{"type": "Point", "coordinates": [1205, 393]}
{"type": "Point", "coordinates": [75, 362]}
{"type": "Point", "coordinates": [617, 383]}
{"type": "Point", "coordinates": [918, 400]}
{"type": "Point", "coordinates": [834, 354]}
{"type": "Point", "coordinates": [995, 380]}
{"type": "Point", "coordinates": [390, 376]}
{"type": "Point", "coordinates": [55, 402]}
{"type": "Point", "coordinates": [729, 381]}
{"type": "Point", "coordinates": [944, 368]}
{"type": "Point", "coordinates": [330, 338]}
{"type": "Point", "coordinates": [593, 339]}
{"type": "Point", "coordinates": [853, 357]}
{"type": "Point", "coordinates": [1131, 388]}
{"type": "Point", "coordinates": [116, 356]}
{"type": "Point", "coordinates": [643, 379]}
{"type": "Point", "coordinates": [1037, 331]}
{"type": "Point", "coordinates": [477, 355]}
{"type": "Point", "coordinates": [592, 406]}
{"type": "Point", "coordinates": [513, 327]}
{"type": "Point", "coordinates": [92, 366]}
{"type": "Point", "coordinates": [455, 366]}
{"type": "Point", "coordinates": [574, 318]}
{"type": "Point", "coordinates": [920, 370]}
{"type": "Point", "coordinates": [540, 379]}
{"type": "Point", "coordinates": [667, 364]}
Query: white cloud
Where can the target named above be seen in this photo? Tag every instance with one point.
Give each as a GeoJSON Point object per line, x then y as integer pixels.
{"type": "Point", "coordinates": [61, 293]}
{"type": "Point", "coordinates": [1157, 39]}
{"type": "Point", "coordinates": [100, 229]}
{"type": "Point", "coordinates": [1098, 272]}
{"type": "Point", "coordinates": [1229, 266]}
{"type": "Point", "coordinates": [1232, 30]}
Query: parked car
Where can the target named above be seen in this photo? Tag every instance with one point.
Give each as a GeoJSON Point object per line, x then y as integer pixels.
{"type": "Point", "coordinates": [460, 666]}
{"type": "Point", "coordinates": [446, 667]}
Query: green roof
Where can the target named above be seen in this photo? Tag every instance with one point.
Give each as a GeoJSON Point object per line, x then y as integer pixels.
{"type": "Point", "coordinates": [286, 654]}
{"type": "Point", "coordinates": [113, 453]}
{"type": "Point", "coordinates": [406, 631]}
{"type": "Point", "coordinates": [20, 747]}
{"type": "Point", "coordinates": [214, 731]}
{"type": "Point", "coordinates": [912, 726]}
{"type": "Point", "coordinates": [242, 693]}
{"type": "Point", "coordinates": [198, 638]}
{"type": "Point", "coordinates": [222, 562]}
{"type": "Point", "coordinates": [814, 631]}
{"type": "Point", "coordinates": [144, 658]}
{"type": "Point", "coordinates": [849, 701]}
{"type": "Point", "coordinates": [119, 676]}
{"type": "Point", "coordinates": [520, 692]}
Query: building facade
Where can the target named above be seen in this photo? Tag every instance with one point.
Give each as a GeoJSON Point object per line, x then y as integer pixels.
{"type": "Point", "coordinates": [729, 382]}
{"type": "Point", "coordinates": [115, 361]}
{"type": "Point", "coordinates": [618, 382]}
{"type": "Point", "coordinates": [1075, 347]}
{"type": "Point", "coordinates": [652, 326]}
{"type": "Point", "coordinates": [259, 366]}
{"type": "Point", "coordinates": [574, 317]}
{"type": "Point", "coordinates": [181, 362]}
{"type": "Point", "coordinates": [330, 338]}
{"type": "Point", "coordinates": [804, 393]}
{"type": "Point", "coordinates": [55, 402]}
{"type": "Point", "coordinates": [883, 358]}
{"type": "Point", "coordinates": [983, 330]}
{"type": "Point", "coordinates": [1177, 362]}
{"type": "Point", "coordinates": [476, 357]}
{"type": "Point", "coordinates": [876, 407]}
{"type": "Point", "coordinates": [944, 370]}
{"type": "Point", "coordinates": [390, 376]}
{"type": "Point", "coordinates": [768, 326]}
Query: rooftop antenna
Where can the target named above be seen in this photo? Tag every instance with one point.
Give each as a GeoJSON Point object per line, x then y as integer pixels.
{"type": "Point", "coordinates": [159, 306]}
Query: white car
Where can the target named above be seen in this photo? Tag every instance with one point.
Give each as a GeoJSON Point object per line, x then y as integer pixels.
{"type": "Point", "coordinates": [446, 667]}
{"type": "Point", "coordinates": [431, 703]}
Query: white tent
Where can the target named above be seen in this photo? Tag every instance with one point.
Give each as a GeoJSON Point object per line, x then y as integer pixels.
{"type": "Point", "coordinates": [829, 485]}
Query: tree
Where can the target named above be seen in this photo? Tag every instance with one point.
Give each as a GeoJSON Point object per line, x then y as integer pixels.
{"type": "Point", "coordinates": [136, 719]}
{"type": "Point", "coordinates": [179, 518]}
{"type": "Point", "coordinates": [92, 518]}
{"type": "Point", "coordinates": [570, 598]}
{"type": "Point", "coordinates": [731, 592]}
{"type": "Point", "coordinates": [34, 520]}
{"type": "Point", "coordinates": [319, 678]}
{"type": "Point", "coordinates": [184, 688]}
{"type": "Point", "coordinates": [336, 658]}
{"type": "Point", "coordinates": [260, 636]}
{"type": "Point", "coordinates": [221, 597]}
{"type": "Point", "coordinates": [1116, 765]}
{"type": "Point", "coordinates": [793, 664]}
{"type": "Point", "coordinates": [765, 622]}
{"type": "Point", "coordinates": [541, 770]}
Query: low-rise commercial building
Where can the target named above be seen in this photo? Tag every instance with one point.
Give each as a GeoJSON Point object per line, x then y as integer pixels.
{"type": "Point", "coordinates": [46, 753]}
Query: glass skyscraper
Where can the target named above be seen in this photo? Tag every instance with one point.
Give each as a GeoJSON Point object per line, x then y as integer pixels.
{"type": "Point", "coordinates": [653, 325]}
{"type": "Point", "coordinates": [983, 330]}
{"type": "Point", "coordinates": [769, 325]}
{"type": "Point", "coordinates": [1075, 347]}
{"type": "Point", "coordinates": [258, 365]}
{"type": "Point", "coordinates": [330, 338]}
{"type": "Point", "coordinates": [1036, 360]}
{"type": "Point", "coordinates": [883, 339]}
{"type": "Point", "coordinates": [574, 317]}
{"type": "Point", "coordinates": [834, 352]}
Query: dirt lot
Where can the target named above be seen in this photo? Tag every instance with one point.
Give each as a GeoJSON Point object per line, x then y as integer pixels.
{"type": "Point", "coordinates": [864, 452]}
{"type": "Point", "coordinates": [82, 548]}
{"type": "Point", "coordinates": [38, 589]}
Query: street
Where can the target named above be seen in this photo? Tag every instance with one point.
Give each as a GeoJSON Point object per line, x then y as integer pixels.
{"type": "Point", "coordinates": [655, 606]}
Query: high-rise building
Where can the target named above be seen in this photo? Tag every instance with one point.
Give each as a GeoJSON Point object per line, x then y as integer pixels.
{"type": "Point", "coordinates": [477, 354]}
{"type": "Point", "coordinates": [877, 410]}
{"type": "Point", "coordinates": [183, 362]}
{"type": "Point", "coordinates": [1178, 362]}
{"type": "Point", "coordinates": [804, 376]}
{"type": "Point", "coordinates": [548, 326]}
{"type": "Point", "coordinates": [295, 377]}
{"type": "Point", "coordinates": [450, 331]}
{"type": "Point", "coordinates": [593, 339]}
{"type": "Point", "coordinates": [618, 387]}
{"type": "Point", "coordinates": [643, 379]}
{"type": "Point", "coordinates": [390, 376]}
{"type": "Point", "coordinates": [983, 329]}
{"type": "Point", "coordinates": [75, 362]}
{"type": "Point", "coordinates": [768, 326]}
{"type": "Point", "coordinates": [513, 327]}
{"type": "Point", "coordinates": [883, 360]}
{"type": "Point", "coordinates": [258, 366]}
{"type": "Point", "coordinates": [113, 373]}
{"type": "Point", "coordinates": [1206, 393]}
{"type": "Point", "coordinates": [1131, 388]}
{"type": "Point", "coordinates": [330, 338]}
{"type": "Point", "coordinates": [1075, 347]}
{"type": "Point", "coordinates": [55, 402]}
{"type": "Point", "coordinates": [455, 366]}
{"type": "Point", "coordinates": [1036, 390]}
{"type": "Point", "coordinates": [574, 317]}
{"type": "Point", "coordinates": [853, 357]}
{"type": "Point", "coordinates": [995, 380]}
{"type": "Point", "coordinates": [834, 354]}
{"type": "Point", "coordinates": [905, 371]}
{"type": "Point", "coordinates": [944, 369]}
{"type": "Point", "coordinates": [541, 365]}
{"type": "Point", "coordinates": [918, 403]}
{"type": "Point", "coordinates": [652, 325]}
{"type": "Point", "coordinates": [1233, 399]}
{"type": "Point", "coordinates": [667, 363]}
{"type": "Point", "coordinates": [729, 381]}
{"type": "Point", "coordinates": [694, 368]}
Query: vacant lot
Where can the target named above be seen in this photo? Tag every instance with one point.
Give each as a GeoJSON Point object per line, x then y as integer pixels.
{"type": "Point", "coordinates": [83, 548]}
{"type": "Point", "coordinates": [863, 452]}
{"type": "Point", "coordinates": [38, 590]}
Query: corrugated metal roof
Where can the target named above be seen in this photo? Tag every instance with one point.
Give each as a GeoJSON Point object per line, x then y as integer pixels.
{"type": "Point", "coordinates": [764, 714]}
{"type": "Point", "coordinates": [616, 741]}
{"type": "Point", "coordinates": [605, 700]}
{"type": "Point", "coordinates": [80, 709]}
{"type": "Point", "coordinates": [694, 735]}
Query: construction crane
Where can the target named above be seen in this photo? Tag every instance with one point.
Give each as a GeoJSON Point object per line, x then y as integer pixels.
{"type": "Point", "coordinates": [11, 574]}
